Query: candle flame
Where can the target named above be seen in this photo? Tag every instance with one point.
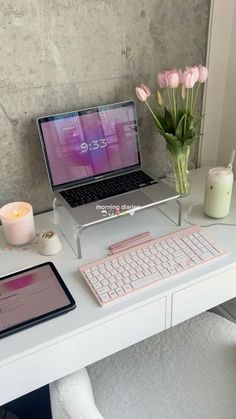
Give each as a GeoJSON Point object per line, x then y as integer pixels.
{"type": "Point", "coordinates": [16, 213]}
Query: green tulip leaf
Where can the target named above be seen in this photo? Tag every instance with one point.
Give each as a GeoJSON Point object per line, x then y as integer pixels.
{"type": "Point", "coordinates": [172, 139]}
{"type": "Point", "coordinates": [190, 140]}
{"type": "Point", "coordinates": [158, 127]}
{"type": "Point", "coordinates": [180, 113]}
{"type": "Point", "coordinates": [189, 122]}
{"type": "Point", "coordinates": [174, 148]}
{"type": "Point", "coordinates": [180, 128]}
{"type": "Point", "coordinates": [162, 122]}
{"type": "Point", "coordinates": [168, 120]}
{"type": "Point", "coordinates": [197, 119]}
{"type": "Point", "coordinates": [189, 134]}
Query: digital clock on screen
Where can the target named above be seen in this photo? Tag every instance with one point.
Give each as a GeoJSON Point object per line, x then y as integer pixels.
{"type": "Point", "coordinates": [93, 145]}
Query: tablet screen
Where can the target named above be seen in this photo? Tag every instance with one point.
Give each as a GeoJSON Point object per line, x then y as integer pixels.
{"type": "Point", "coordinates": [30, 296]}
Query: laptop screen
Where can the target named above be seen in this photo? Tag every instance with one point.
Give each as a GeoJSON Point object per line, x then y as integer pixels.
{"type": "Point", "coordinates": [84, 144]}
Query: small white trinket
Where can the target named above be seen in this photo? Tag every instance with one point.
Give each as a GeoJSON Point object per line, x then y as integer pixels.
{"type": "Point", "coordinates": [49, 243]}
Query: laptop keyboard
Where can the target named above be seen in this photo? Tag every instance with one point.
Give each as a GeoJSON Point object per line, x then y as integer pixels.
{"type": "Point", "coordinates": [83, 195]}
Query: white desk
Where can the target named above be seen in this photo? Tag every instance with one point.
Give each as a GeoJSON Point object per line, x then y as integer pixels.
{"type": "Point", "coordinates": [46, 352]}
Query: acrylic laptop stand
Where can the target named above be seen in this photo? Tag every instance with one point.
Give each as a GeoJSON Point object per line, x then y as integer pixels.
{"type": "Point", "coordinates": [72, 230]}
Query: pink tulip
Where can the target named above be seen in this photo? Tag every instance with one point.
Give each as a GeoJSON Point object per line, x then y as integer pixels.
{"type": "Point", "coordinates": [195, 69]}
{"type": "Point", "coordinates": [172, 79]}
{"type": "Point", "coordinates": [203, 73]}
{"type": "Point", "coordinates": [161, 79]}
{"type": "Point", "coordinates": [180, 72]}
{"type": "Point", "coordinates": [189, 77]}
{"type": "Point", "coordinates": [146, 89]}
{"type": "Point", "coordinates": [141, 94]}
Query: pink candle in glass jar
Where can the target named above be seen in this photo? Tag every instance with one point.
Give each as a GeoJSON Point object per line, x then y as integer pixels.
{"type": "Point", "coordinates": [17, 222]}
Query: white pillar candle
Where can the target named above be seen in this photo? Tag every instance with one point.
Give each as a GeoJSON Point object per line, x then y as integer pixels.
{"type": "Point", "coordinates": [218, 192]}
{"type": "Point", "coordinates": [18, 222]}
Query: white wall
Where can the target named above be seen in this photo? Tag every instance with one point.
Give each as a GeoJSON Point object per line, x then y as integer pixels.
{"type": "Point", "coordinates": [61, 55]}
{"type": "Point", "coordinates": [219, 104]}
{"type": "Point", "coordinates": [228, 121]}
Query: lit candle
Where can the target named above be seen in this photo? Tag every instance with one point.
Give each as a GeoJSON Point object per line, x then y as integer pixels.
{"type": "Point", "coordinates": [18, 222]}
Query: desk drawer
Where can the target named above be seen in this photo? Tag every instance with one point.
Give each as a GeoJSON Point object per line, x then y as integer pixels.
{"type": "Point", "coordinates": [202, 296]}
{"type": "Point", "coordinates": [72, 353]}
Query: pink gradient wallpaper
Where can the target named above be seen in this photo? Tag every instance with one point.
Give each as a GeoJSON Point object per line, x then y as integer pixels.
{"type": "Point", "coordinates": [91, 143]}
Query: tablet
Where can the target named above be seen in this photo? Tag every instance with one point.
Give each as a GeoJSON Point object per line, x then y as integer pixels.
{"type": "Point", "coordinates": [32, 296]}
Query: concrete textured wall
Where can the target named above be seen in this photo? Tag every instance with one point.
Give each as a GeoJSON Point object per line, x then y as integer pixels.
{"type": "Point", "coordinates": [61, 55]}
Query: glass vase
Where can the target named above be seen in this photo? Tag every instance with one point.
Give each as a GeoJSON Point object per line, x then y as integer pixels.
{"type": "Point", "coordinates": [179, 159]}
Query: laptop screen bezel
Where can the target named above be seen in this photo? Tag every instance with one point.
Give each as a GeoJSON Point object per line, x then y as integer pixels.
{"type": "Point", "coordinates": [97, 177]}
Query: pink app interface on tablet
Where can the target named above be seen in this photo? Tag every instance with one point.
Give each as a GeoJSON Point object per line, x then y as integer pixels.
{"type": "Point", "coordinates": [29, 295]}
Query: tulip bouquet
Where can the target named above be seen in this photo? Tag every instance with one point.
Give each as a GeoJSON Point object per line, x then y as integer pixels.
{"type": "Point", "coordinates": [177, 121]}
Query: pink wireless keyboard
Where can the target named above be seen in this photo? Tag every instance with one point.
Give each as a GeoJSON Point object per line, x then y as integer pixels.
{"type": "Point", "coordinates": [128, 271]}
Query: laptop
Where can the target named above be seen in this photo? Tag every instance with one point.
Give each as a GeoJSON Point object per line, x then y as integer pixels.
{"type": "Point", "coordinates": [93, 162]}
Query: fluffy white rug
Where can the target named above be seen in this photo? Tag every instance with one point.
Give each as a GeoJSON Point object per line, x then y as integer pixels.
{"type": "Point", "coordinates": [186, 372]}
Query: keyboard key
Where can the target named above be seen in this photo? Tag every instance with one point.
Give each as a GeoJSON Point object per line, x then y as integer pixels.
{"type": "Point", "coordinates": [120, 283]}
{"type": "Point", "coordinates": [144, 281]}
{"type": "Point", "coordinates": [127, 287]}
{"type": "Point", "coordinates": [171, 270]}
{"type": "Point", "coordinates": [105, 297]}
{"type": "Point", "coordinates": [206, 255]}
{"type": "Point", "coordinates": [102, 290]}
{"type": "Point", "coordinates": [120, 291]}
{"type": "Point", "coordinates": [112, 294]}
{"type": "Point", "coordinates": [93, 280]}
{"type": "Point", "coordinates": [96, 286]}
{"type": "Point", "coordinates": [105, 282]}
{"type": "Point", "coordinates": [127, 280]}
{"type": "Point", "coordinates": [164, 273]}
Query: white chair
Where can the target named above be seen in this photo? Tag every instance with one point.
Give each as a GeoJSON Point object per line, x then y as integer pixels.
{"type": "Point", "coordinates": [72, 397]}
{"type": "Point", "coordinates": [186, 372]}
